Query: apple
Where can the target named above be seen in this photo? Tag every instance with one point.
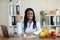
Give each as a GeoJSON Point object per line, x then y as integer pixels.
{"type": "Point", "coordinates": [41, 34]}
{"type": "Point", "coordinates": [53, 34]}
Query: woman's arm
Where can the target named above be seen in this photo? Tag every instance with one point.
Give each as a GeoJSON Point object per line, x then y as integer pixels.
{"type": "Point", "coordinates": [38, 29]}
{"type": "Point", "coordinates": [19, 24]}
{"type": "Point", "coordinates": [19, 28]}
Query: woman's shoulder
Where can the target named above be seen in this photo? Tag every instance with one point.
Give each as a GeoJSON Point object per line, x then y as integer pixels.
{"type": "Point", "coordinates": [37, 22]}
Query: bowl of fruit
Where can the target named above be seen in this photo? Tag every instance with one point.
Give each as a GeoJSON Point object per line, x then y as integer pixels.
{"type": "Point", "coordinates": [45, 33]}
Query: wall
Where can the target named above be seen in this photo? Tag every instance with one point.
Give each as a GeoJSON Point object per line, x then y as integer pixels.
{"type": "Point", "coordinates": [4, 12]}
{"type": "Point", "coordinates": [1, 32]}
{"type": "Point", "coordinates": [39, 5]}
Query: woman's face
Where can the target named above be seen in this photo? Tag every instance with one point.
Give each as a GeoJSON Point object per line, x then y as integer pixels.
{"type": "Point", "coordinates": [30, 15]}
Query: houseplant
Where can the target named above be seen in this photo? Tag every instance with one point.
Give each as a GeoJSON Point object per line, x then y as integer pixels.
{"type": "Point", "coordinates": [42, 17]}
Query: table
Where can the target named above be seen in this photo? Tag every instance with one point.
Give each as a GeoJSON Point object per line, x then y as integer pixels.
{"type": "Point", "coordinates": [28, 38]}
{"type": "Point", "coordinates": [31, 38]}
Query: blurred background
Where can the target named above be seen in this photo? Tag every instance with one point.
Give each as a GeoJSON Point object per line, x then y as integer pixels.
{"type": "Point", "coordinates": [50, 10]}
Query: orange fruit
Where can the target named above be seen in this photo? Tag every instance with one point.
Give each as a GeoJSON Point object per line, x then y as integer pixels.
{"type": "Point", "coordinates": [44, 30]}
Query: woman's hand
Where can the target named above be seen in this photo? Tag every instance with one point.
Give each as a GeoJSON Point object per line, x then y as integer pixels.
{"type": "Point", "coordinates": [20, 35]}
{"type": "Point", "coordinates": [19, 18]}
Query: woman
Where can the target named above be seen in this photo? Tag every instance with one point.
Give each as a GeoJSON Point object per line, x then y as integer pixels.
{"type": "Point", "coordinates": [29, 25]}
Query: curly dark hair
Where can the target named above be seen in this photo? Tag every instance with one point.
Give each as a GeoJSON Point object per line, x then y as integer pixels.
{"type": "Point", "coordinates": [26, 20]}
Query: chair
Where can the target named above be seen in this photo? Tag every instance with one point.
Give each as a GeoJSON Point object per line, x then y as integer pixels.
{"type": "Point", "coordinates": [5, 31]}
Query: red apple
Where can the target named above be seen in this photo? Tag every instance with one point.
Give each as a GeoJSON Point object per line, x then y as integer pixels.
{"type": "Point", "coordinates": [53, 34]}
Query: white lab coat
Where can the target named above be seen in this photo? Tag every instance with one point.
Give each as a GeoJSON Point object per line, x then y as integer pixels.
{"type": "Point", "coordinates": [29, 28]}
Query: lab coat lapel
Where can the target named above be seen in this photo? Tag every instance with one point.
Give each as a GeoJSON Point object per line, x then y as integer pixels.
{"type": "Point", "coordinates": [30, 25]}
{"type": "Point", "coordinates": [29, 29]}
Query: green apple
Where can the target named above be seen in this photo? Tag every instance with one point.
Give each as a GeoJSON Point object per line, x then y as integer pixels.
{"type": "Point", "coordinates": [41, 34]}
